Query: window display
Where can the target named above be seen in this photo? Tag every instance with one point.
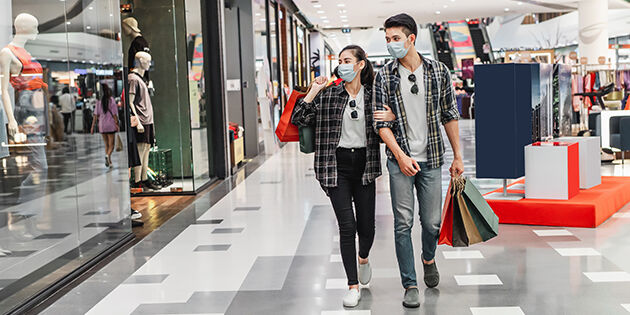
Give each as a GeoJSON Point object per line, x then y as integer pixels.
{"type": "Point", "coordinates": [61, 204]}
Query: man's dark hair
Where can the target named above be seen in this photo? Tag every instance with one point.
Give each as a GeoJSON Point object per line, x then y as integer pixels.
{"type": "Point", "coordinates": [403, 20]}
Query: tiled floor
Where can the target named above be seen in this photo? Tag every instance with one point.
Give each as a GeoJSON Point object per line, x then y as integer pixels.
{"type": "Point", "coordinates": [281, 258]}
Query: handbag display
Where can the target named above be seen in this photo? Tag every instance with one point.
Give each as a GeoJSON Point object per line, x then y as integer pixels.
{"type": "Point", "coordinates": [286, 131]}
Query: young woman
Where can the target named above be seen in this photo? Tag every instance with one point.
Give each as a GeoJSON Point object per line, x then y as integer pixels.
{"type": "Point", "coordinates": [106, 113]}
{"type": "Point", "coordinates": [347, 157]}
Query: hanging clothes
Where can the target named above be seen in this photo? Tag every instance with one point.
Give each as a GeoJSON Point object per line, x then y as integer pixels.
{"type": "Point", "coordinates": [577, 86]}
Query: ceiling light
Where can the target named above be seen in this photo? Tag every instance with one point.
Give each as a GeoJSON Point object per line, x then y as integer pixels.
{"type": "Point", "coordinates": [88, 27]}
{"type": "Point", "coordinates": [343, 16]}
{"type": "Point", "coordinates": [91, 8]}
{"type": "Point", "coordinates": [343, 11]}
{"type": "Point", "coordinates": [258, 14]}
{"type": "Point", "coordinates": [263, 20]}
{"type": "Point", "coordinates": [437, 12]}
{"type": "Point", "coordinates": [341, 5]}
{"type": "Point", "coordinates": [507, 9]}
{"type": "Point", "coordinates": [68, 22]}
{"type": "Point", "coordinates": [344, 20]}
{"type": "Point", "coordinates": [317, 5]}
{"type": "Point", "coordinates": [346, 25]}
{"type": "Point", "coordinates": [323, 17]}
{"type": "Point", "coordinates": [520, 3]}
{"type": "Point", "coordinates": [326, 21]}
{"type": "Point", "coordinates": [445, 6]}
{"type": "Point", "coordinates": [321, 12]}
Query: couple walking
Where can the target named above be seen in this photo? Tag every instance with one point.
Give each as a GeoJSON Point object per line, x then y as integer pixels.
{"type": "Point", "coordinates": [402, 105]}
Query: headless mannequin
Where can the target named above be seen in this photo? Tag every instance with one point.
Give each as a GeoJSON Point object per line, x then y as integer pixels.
{"type": "Point", "coordinates": [132, 32]}
{"type": "Point", "coordinates": [25, 30]}
{"type": "Point", "coordinates": [143, 63]}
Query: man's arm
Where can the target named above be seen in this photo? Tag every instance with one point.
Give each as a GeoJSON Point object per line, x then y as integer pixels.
{"type": "Point", "coordinates": [450, 117]}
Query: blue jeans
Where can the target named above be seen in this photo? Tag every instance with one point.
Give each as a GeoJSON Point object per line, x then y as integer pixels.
{"type": "Point", "coordinates": [428, 185]}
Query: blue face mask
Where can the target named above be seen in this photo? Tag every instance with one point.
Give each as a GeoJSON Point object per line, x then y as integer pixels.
{"type": "Point", "coordinates": [397, 49]}
{"type": "Point", "coordinates": [346, 72]}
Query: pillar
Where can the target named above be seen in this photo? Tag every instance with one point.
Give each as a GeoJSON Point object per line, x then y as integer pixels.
{"type": "Point", "coordinates": [593, 29]}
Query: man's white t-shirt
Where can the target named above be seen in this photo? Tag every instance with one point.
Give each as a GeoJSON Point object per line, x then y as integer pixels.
{"type": "Point", "coordinates": [66, 101]}
{"type": "Point", "coordinates": [416, 110]}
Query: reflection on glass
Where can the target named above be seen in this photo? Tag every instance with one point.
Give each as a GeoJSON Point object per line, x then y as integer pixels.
{"type": "Point", "coordinates": [196, 94]}
{"type": "Point", "coordinates": [263, 74]}
{"type": "Point", "coordinates": [57, 196]}
{"type": "Point", "coordinates": [273, 36]}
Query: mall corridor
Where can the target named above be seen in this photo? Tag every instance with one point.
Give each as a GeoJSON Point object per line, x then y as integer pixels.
{"type": "Point", "coordinates": [270, 246]}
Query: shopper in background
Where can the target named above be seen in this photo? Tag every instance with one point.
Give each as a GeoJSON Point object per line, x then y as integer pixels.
{"type": "Point", "coordinates": [106, 114]}
{"type": "Point", "coordinates": [68, 106]}
{"type": "Point", "coordinates": [420, 93]}
{"type": "Point", "coordinates": [347, 157]}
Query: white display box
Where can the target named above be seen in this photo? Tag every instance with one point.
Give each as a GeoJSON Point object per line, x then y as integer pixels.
{"type": "Point", "coordinates": [552, 170]}
{"type": "Point", "coordinates": [590, 160]}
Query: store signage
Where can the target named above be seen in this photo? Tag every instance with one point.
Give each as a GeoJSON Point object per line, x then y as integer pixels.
{"type": "Point", "coordinates": [619, 46]}
{"type": "Point", "coordinates": [81, 71]}
{"type": "Point", "coordinates": [346, 30]}
{"type": "Point", "coordinates": [104, 72]}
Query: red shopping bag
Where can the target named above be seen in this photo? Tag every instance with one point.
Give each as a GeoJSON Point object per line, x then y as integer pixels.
{"type": "Point", "coordinates": [286, 131]}
{"type": "Point", "coordinates": [446, 232]}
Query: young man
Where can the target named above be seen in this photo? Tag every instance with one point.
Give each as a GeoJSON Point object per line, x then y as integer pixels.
{"type": "Point", "coordinates": [420, 93]}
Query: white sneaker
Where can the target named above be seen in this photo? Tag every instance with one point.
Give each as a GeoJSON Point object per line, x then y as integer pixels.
{"type": "Point", "coordinates": [352, 298]}
{"type": "Point", "coordinates": [365, 273]}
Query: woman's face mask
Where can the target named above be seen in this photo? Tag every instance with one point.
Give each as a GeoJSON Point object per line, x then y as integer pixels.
{"type": "Point", "coordinates": [346, 72]}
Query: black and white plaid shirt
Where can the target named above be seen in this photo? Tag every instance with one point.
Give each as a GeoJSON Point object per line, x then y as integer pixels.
{"type": "Point", "coordinates": [440, 100]}
{"type": "Point", "coordinates": [326, 113]}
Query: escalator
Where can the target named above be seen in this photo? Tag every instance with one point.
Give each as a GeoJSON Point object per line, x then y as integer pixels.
{"type": "Point", "coordinates": [442, 44]}
{"type": "Point", "coordinates": [479, 40]}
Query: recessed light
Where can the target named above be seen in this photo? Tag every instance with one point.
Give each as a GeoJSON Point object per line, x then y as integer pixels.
{"type": "Point", "coordinates": [445, 6]}
{"type": "Point", "coordinates": [317, 5]}
{"type": "Point", "coordinates": [507, 9]}
{"type": "Point", "coordinates": [437, 12]}
{"type": "Point", "coordinates": [68, 22]}
{"type": "Point", "coordinates": [343, 16]}
{"type": "Point", "coordinates": [258, 14]}
{"type": "Point", "coordinates": [111, 14]}
{"type": "Point", "coordinates": [91, 8]}
{"type": "Point", "coordinates": [341, 5]}
{"type": "Point", "coordinates": [323, 17]}
{"type": "Point", "coordinates": [263, 20]}
{"type": "Point", "coordinates": [346, 25]}
{"type": "Point", "coordinates": [326, 21]}
{"type": "Point", "coordinates": [321, 12]}
{"type": "Point", "coordinates": [344, 20]}
{"type": "Point", "coordinates": [88, 27]}
{"type": "Point", "coordinates": [343, 11]}
{"type": "Point", "coordinates": [519, 3]}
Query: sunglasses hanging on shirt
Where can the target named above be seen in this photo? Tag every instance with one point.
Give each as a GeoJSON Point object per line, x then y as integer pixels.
{"type": "Point", "coordinates": [414, 87]}
{"type": "Point", "coordinates": [353, 114]}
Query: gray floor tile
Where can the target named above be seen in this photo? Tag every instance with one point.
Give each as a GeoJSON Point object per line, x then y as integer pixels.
{"type": "Point", "coordinates": [199, 302]}
{"type": "Point", "coordinates": [246, 208]}
{"type": "Point", "coordinates": [212, 248]}
{"type": "Point", "coordinates": [146, 279]}
{"type": "Point", "coordinates": [52, 236]}
{"type": "Point", "coordinates": [214, 221]}
{"type": "Point", "coordinates": [97, 212]}
{"type": "Point", "coordinates": [227, 230]}
{"type": "Point", "coordinates": [267, 273]}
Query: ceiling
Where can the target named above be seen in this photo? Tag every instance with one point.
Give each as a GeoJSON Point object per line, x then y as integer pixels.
{"type": "Point", "coordinates": [370, 13]}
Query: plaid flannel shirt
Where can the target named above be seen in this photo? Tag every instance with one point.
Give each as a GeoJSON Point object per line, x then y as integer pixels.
{"type": "Point", "coordinates": [326, 113]}
{"type": "Point", "coordinates": [440, 100]}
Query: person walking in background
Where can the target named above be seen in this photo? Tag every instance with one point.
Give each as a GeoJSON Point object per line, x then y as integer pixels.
{"type": "Point", "coordinates": [420, 94]}
{"type": "Point", "coordinates": [347, 157]}
{"type": "Point", "coordinates": [68, 106]}
{"type": "Point", "coordinates": [106, 114]}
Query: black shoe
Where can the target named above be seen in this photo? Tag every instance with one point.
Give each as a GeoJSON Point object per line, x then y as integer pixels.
{"type": "Point", "coordinates": [148, 185]}
{"type": "Point", "coordinates": [431, 275]}
{"type": "Point", "coordinates": [107, 163]}
{"type": "Point", "coordinates": [135, 185]}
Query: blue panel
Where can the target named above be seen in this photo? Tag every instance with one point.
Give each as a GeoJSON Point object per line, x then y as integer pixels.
{"type": "Point", "coordinates": [503, 117]}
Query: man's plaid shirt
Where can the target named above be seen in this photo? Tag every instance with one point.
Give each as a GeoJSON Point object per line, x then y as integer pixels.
{"type": "Point", "coordinates": [325, 112]}
{"type": "Point", "coordinates": [440, 100]}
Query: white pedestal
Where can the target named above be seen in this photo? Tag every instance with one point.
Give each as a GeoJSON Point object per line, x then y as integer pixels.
{"type": "Point", "coordinates": [590, 160]}
{"type": "Point", "coordinates": [552, 170]}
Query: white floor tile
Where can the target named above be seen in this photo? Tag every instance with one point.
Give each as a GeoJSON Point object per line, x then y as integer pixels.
{"type": "Point", "coordinates": [512, 310]}
{"type": "Point", "coordinates": [626, 307]}
{"type": "Point", "coordinates": [577, 252]}
{"type": "Point", "coordinates": [463, 254]}
{"type": "Point", "coordinates": [335, 258]}
{"type": "Point", "coordinates": [553, 233]}
{"type": "Point", "coordinates": [608, 276]}
{"type": "Point", "coordinates": [625, 215]}
{"type": "Point", "coordinates": [478, 280]}
{"type": "Point", "coordinates": [345, 312]}
{"type": "Point", "coordinates": [336, 284]}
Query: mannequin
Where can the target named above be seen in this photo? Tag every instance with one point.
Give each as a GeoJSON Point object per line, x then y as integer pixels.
{"type": "Point", "coordinates": [27, 118]}
{"type": "Point", "coordinates": [138, 44]}
{"type": "Point", "coordinates": [140, 104]}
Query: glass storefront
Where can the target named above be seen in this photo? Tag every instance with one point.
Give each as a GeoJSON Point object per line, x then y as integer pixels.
{"type": "Point", "coordinates": [179, 155]}
{"type": "Point", "coordinates": [61, 203]}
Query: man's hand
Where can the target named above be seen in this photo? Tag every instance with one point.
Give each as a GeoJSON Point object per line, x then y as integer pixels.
{"type": "Point", "coordinates": [457, 168]}
{"type": "Point", "coordinates": [408, 166]}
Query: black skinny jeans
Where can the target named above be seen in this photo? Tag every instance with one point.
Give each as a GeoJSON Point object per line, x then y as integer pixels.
{"type": "Point", "coordinates": [350, 168]}
{"type": "Point", "coordinates": [67, 122]}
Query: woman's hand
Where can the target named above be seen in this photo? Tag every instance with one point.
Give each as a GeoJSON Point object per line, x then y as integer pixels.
{"type": "Point", "coordinates": [316, 86]}
{"type": "Point", "coordinates": [384, 115]}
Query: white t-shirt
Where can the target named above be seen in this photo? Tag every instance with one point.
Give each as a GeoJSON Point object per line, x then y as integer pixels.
{"type": "Point", "coordinates": [416, 110]}
{"type": "Point", "coordinates": [353, 130]}
{"type": "Point", "coordinates": [67, 103]}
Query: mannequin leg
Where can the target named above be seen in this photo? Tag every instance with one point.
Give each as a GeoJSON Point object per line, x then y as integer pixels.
{"type": "Point", "coordinates": [140, 171]}
{"type": "Point", "coordinates": [145, 161]}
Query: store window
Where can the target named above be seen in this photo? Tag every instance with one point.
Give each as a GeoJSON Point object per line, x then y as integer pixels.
{"type": "Point", "coordinates": [264, 87]}
{"type": "Point", "coordinates": [64, 193]}
{"type": "Point", "coordinates": [173, 150]}
{"type": "Point", "coordinates": [274, 53]}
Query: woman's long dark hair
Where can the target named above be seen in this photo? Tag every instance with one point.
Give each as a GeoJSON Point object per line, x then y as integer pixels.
{"type": "Point", "coordinates": [367, 74]}
{"type": "Point", "coordinates": [106, 97]}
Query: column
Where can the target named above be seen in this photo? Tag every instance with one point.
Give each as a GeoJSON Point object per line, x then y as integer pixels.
{"type": "Point", "coordinates": [593, 29]}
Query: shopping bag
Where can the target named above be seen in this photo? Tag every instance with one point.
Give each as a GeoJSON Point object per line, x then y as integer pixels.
{"type": "Point", "coordinates": [307, 139]}
{"type": "Point", "coordinates": [446, 232]}
{"type": "Point", "coordinates": [460, 238]}
{"type": "Point", "coordinates": [286, 131]}
{"type": "Point", "coordinates": [469, 224]}
{"type": "Point", "coordinates": [485, 219]}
